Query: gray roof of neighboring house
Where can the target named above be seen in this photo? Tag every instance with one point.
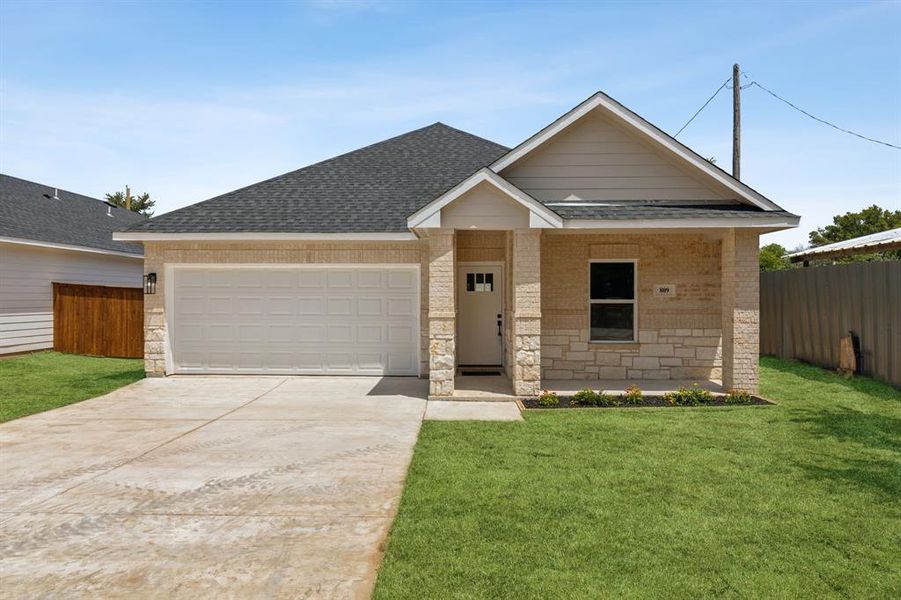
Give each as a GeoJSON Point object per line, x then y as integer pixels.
{"type": "Point", "coordinates": [373, 189]}
{"type": "Point", "coordinates": [28, 211]}
{"type": "Point", "coordinates": [638, 210]}
{"type": "Point", "coordinates": [874, 242]}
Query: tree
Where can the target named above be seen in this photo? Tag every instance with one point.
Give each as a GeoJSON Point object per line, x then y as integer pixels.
{"type": "Point", "coordinates": [855, 224]}
{"type": "Point", "coordinates": [872, 219]}
{"type": "Point", "coordinates": [772, 258]}
{"type": "Point", "coordinates": [141, 204]}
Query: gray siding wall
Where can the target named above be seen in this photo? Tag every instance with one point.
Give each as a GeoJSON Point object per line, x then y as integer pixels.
{"type": "Point", "coordinates": [26, 293]}
{"type": "Point", "coordinates": [597, 160]}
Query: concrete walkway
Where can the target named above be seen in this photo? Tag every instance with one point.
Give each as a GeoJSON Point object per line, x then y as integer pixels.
{"type": "Point", "coordinates": [450, 410]}
{"type": "Point", "coordinates": [207, 487]}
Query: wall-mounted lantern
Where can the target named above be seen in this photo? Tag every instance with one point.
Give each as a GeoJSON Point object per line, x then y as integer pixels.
{"type": "Point", "coordinates": [150, 283]}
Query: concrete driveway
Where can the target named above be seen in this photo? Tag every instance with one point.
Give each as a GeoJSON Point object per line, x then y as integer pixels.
{"type": "Point", "coordinates": [207, 486]}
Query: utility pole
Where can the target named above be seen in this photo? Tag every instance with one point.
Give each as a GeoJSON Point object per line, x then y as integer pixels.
{"type": "Point", "coordinates": [127, 198]}
{"type": "Point", "coordinates": [736, 121]}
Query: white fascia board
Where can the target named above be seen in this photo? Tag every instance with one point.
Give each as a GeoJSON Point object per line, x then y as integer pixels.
{"type": "Point", "coordinates": [70, 247]}
{"type": "Point", "coordinates": [146, 236]}
{"type": "Point", "coordinates": [777, 222]}
{"type": "Point", "coordinates": [636, 122]}
{"type": "Point", "coordinates": [429, 216]}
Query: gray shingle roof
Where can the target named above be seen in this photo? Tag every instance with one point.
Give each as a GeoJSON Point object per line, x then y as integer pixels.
{"type": "Point", "coordinates": [75, 220]}
{"type": "Point", "coordinates": [373, 189]}
{"type": "Point", "coordinates": [662, 211]}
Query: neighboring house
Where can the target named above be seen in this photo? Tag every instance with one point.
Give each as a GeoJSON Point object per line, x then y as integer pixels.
{"type": "Point", "coordinates": [600, 248]}
{"type": "Point", "coordinates": [882, 241]}
{"type": "Point", "coordinates": [49, 235]}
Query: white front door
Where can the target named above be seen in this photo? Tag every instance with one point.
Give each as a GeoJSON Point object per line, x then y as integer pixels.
{"type": "Point", "coordinates": [297, 320]}
{"type": "Point", "coordinates": [480, 295]}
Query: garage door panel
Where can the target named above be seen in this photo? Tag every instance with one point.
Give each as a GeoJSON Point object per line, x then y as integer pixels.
{"type": "Point", "coordinates": [371, 279]}
{"type": "Point", "coordinates": [401, 307]}
{"type": "Point", "coordinates": [371, 361]}
{"type": "Point", "coordinates": [280, 280]}
{"type": "Point", "coordinates": [401, 361]}
{"type": "Point", "coordinates": [280, 334]}
{"type": "Point", "coordinates": [340, 279]}
{"type": "Point", "coordinates": [339, 334]}
{"type": "Point", "coordinates": [251, 306]}
{"type": "Point", "coordinates": [401, 335]}
{"type": "Point", "coordinates": [281, 306]}
{"type": "Point", "coordinates": [303, 320]}
{"type": "Point", "coordinates": [370, 307]}
{"type": "Point", "coordinates": [311, 333]}
{"type": "Point", "coordinates": [371, 334]}
{"type": "Point", "coordinates": [340, 306]}
{"type": "Point", "coordinates": [401, 280]}
{"type": "Point", "coordinates": [310, 306]}
{"type": "Point", "coordinates": [219, 306]}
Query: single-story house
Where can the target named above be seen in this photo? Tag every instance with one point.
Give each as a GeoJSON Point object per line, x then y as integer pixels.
{"type": "Point", "coordinates": [50, 235]}
{"type": "Point", "coordinates": [600, 248]}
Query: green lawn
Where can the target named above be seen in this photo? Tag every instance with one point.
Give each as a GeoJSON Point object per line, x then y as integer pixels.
{"type": "Point", "coordinates": [33, 383]}
{"type": "Point", "coordinates": [802, 499]}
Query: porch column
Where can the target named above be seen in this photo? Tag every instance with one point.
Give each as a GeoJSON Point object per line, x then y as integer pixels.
{"type": "Point", "coordinates": [740, 309]}
{"type": "Point", "coordinates": [442, 313]}
{"type": "Point", "coordinates": [527, 312]}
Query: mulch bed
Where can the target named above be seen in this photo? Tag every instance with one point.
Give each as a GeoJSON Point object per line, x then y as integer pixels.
{"type": "Point", "coordinates": [655, 401]}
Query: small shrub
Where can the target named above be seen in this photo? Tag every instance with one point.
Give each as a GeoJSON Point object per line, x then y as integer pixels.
{"type": "Point", "coordinates": [548, 398]}
{"type": "Point", "coordinates": [692, 396]}
{"type": "Point", "coordinates": [586, 397]}
{"type": "Point", "coordinates": [632, 395]}
{"type": "Point", "coordinates": [738, 397]}
{"type": "Point", "coordinates": [604, 399]}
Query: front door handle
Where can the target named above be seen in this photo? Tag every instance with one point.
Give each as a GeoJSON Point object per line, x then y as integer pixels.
{"type": "Point", "coordinates": [499, 334]}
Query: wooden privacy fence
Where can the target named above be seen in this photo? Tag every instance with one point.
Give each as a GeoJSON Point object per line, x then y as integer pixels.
{"type": "Point", "coordinates": [805, 312]}
{"type": "Point", "coordinates": [98, 320]}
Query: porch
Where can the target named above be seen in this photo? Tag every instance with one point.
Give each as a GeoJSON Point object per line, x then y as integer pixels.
{"type": "Point", "coordinates": [669, 309]}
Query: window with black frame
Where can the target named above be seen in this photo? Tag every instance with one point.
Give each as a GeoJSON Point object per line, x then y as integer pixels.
{"type": "Point", "coordinates": [612, 305]}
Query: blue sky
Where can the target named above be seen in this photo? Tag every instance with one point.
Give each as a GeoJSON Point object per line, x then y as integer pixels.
{"type": "Point", "coordinates": [188, 100]}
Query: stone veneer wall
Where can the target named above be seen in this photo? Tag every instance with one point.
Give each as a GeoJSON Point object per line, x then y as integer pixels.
{"type": "Point", "coordinates": [527, 316]}
{"type": "Point", "coordinates": [158, 254]}
{"type": "Point", "coordinates": [442, 313]}
{"type": "Point", "coordinates": [679, 338]}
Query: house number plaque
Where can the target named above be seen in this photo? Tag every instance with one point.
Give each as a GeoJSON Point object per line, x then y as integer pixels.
{"type": "Point", "coordinates": [665, 290]}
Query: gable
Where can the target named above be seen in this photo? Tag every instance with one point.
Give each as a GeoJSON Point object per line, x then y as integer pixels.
{"type": "Point", "coordinates": [485, 207]}
{"type": "Point", "coordinates": [484, 197]}
{"type": "Point", "coordinates": [644, 132]}
{"type": "Point", "coordinates": [597, 159]}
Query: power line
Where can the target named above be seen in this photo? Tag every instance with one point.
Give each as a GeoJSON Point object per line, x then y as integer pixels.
{"type": "Point", "coordinates": [709, 100]}
{"type": "Point", "coordinates": [781, 99]}
{"type": "Point", "coordinates": [824, 122]}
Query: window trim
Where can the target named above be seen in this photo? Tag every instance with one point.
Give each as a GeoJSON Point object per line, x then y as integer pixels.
{"type": "Point", "coordinates": [633, 301]}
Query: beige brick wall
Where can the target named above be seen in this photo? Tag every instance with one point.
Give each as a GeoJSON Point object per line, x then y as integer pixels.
{"type": "Point", "coordinates": [546, 300]}
{"type": "Point", "coordinates": [740, 309]}
{"type": "Point", "coordinates": [679, 337]}
{"type": "Point", "coordinates": [158, 254]}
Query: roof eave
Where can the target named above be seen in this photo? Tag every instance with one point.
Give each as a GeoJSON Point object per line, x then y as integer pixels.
{"type": "Point", "coordinates": [160, 236]}
{"type": "Point", "coordinates": [769, 223]}
{"type": "Point", "coordinates": [71, 247]}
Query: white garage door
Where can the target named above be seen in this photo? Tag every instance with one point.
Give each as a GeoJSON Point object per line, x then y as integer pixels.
{"type": "Point", "coordinates": [297, 320]}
